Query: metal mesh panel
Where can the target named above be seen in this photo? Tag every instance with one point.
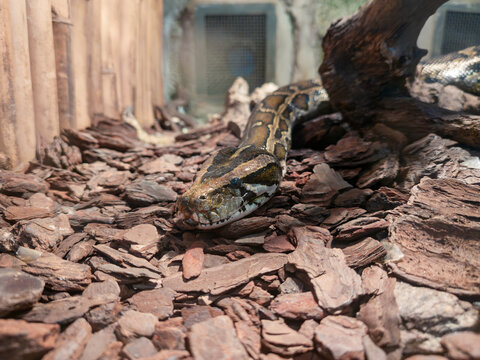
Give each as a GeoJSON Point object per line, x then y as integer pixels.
{"type": "Point", "coordinates": [462, 29]}
{"type": "Point", "coordinates": [235, 46]}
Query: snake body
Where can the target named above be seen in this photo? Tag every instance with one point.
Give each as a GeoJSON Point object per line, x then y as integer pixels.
{"type": "Point", "coordinates": [236, 181]}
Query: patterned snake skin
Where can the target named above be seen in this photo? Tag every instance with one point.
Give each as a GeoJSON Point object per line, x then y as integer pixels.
{"type": "Point", "coordinates": [236, 181]}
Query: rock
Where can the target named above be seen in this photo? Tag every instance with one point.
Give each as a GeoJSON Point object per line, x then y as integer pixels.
{"type": "Point", "coordinates": [136, 324]}
{"type": "Point", "coordinates": [437, 232]}
{"type": "Point", "coordinates": [372, 351]}
{"type": "Point", "coordinates": [139, 349]}
{"type": "Point", "coordinates": [283, 340]}
{"type": "Point", "coordinates": [462, 345]}
{"type": "Point", "coordinates": [291, 285]}
{"type": "Point", "coordinates": [71, 342]}
{"type": "Point", "coordinates": [323, 185]}
{"type": "Point", "coordinates": [59, 274]}
{"type": "Point", "coordinates": [340, 337]}
{"type": "Point", "coordinates": [45, 233]}
{"type": "Point", "coordinates": [335, 285]}
{"type": "Point", "coordinates": [158, 302]}
{"type": "Point", "coordinates": [428, 314]}
{"type": "Point", "coordinates": [225, 277]}
{"type": "Point", "coordinates": [192, 262]}
{"type": "Point", "coordinates": [21, 340]}
{"type": "Point", "coordinates": [380, 312]}
{"type": "Point", "coordinates": [18, 290]}
{"type": "Point", "coordinates": [297, 306]}
{"type": "Point", "coordinates": [222, 342]}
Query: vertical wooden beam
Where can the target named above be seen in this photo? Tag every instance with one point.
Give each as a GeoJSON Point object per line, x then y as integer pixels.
{"type": "Point", "coordinates": [79, 61]}
{"type": "Point", "coordinates": [143, 89]}
{"type": "Point", "coordinates": [8, 143]}
{"type": "Point", "coordinates": [94, 39]}
{"type": "Point", "coordinates": [63, 60]}
{"type": "Point", "coordinates": [110, 25]}
{"type": "Point", "coordinates": [157, 53]}
{"type": "Point", "coordinates": [128, 37]}
{"type": "Point", "coordinates": [22, 82]}
{"type": "Point", "coordinates": [42, 63]}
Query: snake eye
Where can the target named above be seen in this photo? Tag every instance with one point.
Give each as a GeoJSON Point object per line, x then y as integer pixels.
{"type": "Point", "coordinates": [202, 197]}
{"type": "Point", "coordinates": [235, 182]}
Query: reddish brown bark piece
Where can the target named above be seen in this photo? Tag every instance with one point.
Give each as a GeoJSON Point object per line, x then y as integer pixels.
{"type": "Point", "coordinates": [199, 313]}
{"type": "Point", "coordinates": [136, 324]}
{"type": "Point", "coordinates": [192, 262]}
{"type": "Point", "coordinates": [22, 340]}
{"type": "Point", "coordinates": [16, 183]}
{"type": "Point", "coordinates": [382, 172]}
{"type": "Point", "coordinates": [342, 215]}
{"type": "Point", "coordinates": [62, 311]}
{"type": "Point", "coordinates": [158, 302]}
{"type": "Point", "coordinates": [59, 274]}
{"type": "Point", "coordinates": [340, 337]}
{"type": "Point", "coordinates": [437, 232]}
{"type": "Point", "coordinates": [221, 342]}
{"type": "Point", "coordinates": [335, 285]}
{"type": "Point", "coordinates": [45, 233]}
{"type": "Point", "coordinates": [18, 290]}
{"type": "Point", "coordinates": [278, 244]}
{"type": "Point", "coordinates": [222, 278]}
{"type": "Point", "coordinates": [297, 306]}
{"type": "Point", "coordinates": [380, 313]}
{"type": "Point", "coordinates": [323, 185]}
{"type": "Point", "coordinates": [105, 291]}
{"type": "Point", "coordinates": [244, 227]}
{"type": "Point", "coordinates": [283, 340]}
{"type": "Point", "coordinates": [170, 334]}
{"type": "Point", "coordinates": [360, 228]}
{"type": "Point", "coordinates": [249, 336]}
{"type": "Point", "coordinates": [363, 253]}
{"type": "Point", "coordinates": [71, 342]}
{"type": "Point", "coordinates": [353, 197]}
{"type": "Point", "coordinates": [139, 348]}
{"type": "Point", "coordinates": [17, 213]}
{"type": "Point", "coordinates": [352, 150]}
{"type": "Point", "coordinates": [462, 345]}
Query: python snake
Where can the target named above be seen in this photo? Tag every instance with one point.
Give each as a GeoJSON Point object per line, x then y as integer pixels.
{"type": "Point", "coordinates": [236, 181]}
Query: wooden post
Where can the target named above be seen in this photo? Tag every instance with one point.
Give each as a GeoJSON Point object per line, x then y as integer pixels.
{"type": "Point", "coordinates": [8, 143]}
{"type": "Point", "coordinates": [63, 60]}
{"type": "Point", "coordinates": [143, 90]}
{"type": "Point", "coordinates": [79, 63]}
{"type": "Point", "coordinates": [22, 83]}
{"type": "Point", "coordinates": [157, 53]}
{"type": "Point", "coordinates": [94, 39]}
{"type": "Point", "coordinates": [42, 62]}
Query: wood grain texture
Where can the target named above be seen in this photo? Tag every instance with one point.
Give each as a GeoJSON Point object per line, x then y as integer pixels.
{"type": "Point", "coordinates": [42, 62]}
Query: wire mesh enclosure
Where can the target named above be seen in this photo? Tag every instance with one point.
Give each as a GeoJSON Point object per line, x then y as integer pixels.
{"type": "Point", "coordinates": [233, 40]}
{"type": "Point", "coordinates": [461, 30]}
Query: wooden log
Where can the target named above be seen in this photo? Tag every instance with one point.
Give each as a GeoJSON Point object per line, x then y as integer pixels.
{"type": "Point", "coordinates": [22, 83]}
{"type": "Point", "coordinates": [157, 53]}
{"type": "Point", "coordinates": [110, 37]}
{"type": "Point", "coordinates": [143, 94]}
{"type": "Point", "coordinates": [7, 98]}
{"type": "Point", "coordinates": [42, 62]}
{"type": "Point", "coordinates": [62, 37]}
{"type": "Point", "coordinates": [367, 59]}
{"type": "Point", "coordinates": [79, 63]}
{"type": "Point", "coordinates": [93, 27]}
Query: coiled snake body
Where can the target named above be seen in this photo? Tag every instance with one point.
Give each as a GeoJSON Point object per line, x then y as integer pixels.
{"type": "Point", "coordinates": [236, 181]}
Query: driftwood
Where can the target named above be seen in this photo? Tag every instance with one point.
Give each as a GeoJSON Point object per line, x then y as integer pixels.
{"type": "Point", "coordinates": [367, 60]}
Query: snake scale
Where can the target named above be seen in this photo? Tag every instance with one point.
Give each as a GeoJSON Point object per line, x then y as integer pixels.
{"type": "Point", "coordinates": [234, 182]}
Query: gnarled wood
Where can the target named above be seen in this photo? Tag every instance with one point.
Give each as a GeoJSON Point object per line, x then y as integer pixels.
{"type": "Point", "coordinates": [367, 59]}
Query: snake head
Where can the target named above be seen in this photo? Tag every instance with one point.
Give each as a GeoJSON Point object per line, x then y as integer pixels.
{"type": "Point", "coordinates": [231, 184]}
